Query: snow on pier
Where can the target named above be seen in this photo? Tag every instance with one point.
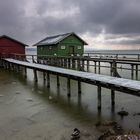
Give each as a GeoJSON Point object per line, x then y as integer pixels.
{"type": "Point", "coordinates": [133, 84]}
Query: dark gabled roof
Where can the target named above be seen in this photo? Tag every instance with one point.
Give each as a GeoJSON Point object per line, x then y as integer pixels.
{"type": "Point", "coordinates": [5, 36]}
{"type": "Point", "coordinates": [56, 39]}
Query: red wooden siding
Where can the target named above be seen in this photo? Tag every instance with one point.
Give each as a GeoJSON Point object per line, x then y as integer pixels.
{"type": "Point", "coordinates": [9, 46]}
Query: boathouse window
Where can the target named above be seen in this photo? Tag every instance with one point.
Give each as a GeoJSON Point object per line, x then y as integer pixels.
{"type": "Point", "coordinates": [63, 47]}
{"type": "Point", "coordinates": [79, 47]}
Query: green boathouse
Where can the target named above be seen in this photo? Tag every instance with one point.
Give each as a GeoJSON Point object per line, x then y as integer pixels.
{"type": "Point", "coordinates": [68, 44]}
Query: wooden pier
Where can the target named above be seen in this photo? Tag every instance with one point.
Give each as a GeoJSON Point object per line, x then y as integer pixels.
{"type": "Point", "coordinates": [83, 63]}
{"type": "Point", "coordinates": [113, 83]}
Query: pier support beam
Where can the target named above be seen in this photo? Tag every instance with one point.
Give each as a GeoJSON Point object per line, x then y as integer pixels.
{"type": "Point", "coordinates": [35, 75]}
{"type": "Point", "coordinates": [68, 87]}
{"type": "Point", "coordinates": [99, 70]}
{"type": "Point", "coordinates": [112, 98]}
{"type": "Point", "coordinates": [114, 68]}
{"type": "Point", "coordinates": [65, 62]}
{"type": "Point", "coordinates": [99, 97]}
{"type": "Point", "coordinates": [25, 72]}
{"type": "Point", "coordinates": [87, 65]}
{"type": "Point", "coordinates": [72, 63]}
{"type": "Point", "coordinates": [58, 82]}
{"type": "Point", "coordinates": [78, 64]}
{"type": "Point", "coordinates": [69, 63]}
{"type": "Point", "coordinates": [18, 68]}
{"type": "Point", "coordinates": [136, 72]}
{"type": "Point", "coordinates": [48, 80]}
{"type": "Point", "coordinates": [79, 87]}
{"type": "Point", "coordinates": [83, 65]}
{"type": "Point", "coordinates": [111, 69]}
{"type": "Point", "coordinates": [44, 75]}
{"type": "Point", "coordinates": [95, 66]}
{"type": "Point", "coordinates": [132, 71]}
{"type": "Point", "coordinates": [138, 56]}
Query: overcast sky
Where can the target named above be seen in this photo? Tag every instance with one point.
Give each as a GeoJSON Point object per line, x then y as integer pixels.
{"type": "Point", "coordinates": [101, 23]}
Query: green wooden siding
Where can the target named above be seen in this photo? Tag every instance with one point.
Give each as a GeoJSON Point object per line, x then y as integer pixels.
{"type": "Point", "coordinates": [71, 45]}
{"type": "Point", "coordinates": [71, 40]}
{"type": "Point", "coordinates": [47, 50]}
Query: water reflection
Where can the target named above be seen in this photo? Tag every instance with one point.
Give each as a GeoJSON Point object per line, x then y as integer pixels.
{"type": "Point", "coordinates": [79, 106]}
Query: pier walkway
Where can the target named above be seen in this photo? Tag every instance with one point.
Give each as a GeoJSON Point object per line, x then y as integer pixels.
{"type": "Point", "coordinates": [115, 84]}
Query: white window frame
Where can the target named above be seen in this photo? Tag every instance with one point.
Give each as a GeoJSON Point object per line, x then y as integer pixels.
{"type": "Point", "coordinates": [79, 47]}
{"type": "Point", "coordinates": [63, 47]}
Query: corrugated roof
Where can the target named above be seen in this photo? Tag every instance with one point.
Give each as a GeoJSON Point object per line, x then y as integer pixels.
{"type": "Point", "coordinates": [56, 39]}
{"type": "Point", "coordinates": [5, 36]}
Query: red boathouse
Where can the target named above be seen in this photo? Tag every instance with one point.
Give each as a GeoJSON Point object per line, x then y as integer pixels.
{"type": "Point", "coordinates": [9, 46]}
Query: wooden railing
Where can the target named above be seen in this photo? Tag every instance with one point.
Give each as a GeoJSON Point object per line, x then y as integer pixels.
{"type": "Point", "coordinates": [114, 55]}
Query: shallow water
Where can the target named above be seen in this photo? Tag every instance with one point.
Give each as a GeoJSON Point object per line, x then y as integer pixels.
{"type": "Point", "coordinates": [26, 111]}
{"type": "Point", "coordinates": [30, 110]}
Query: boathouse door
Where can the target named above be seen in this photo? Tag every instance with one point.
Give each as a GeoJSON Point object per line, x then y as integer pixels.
{"type": "Point", "coordinates": [71, 50]}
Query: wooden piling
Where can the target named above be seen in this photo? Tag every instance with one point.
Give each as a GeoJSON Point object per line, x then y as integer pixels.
{"type": "Point", "coordinates": [132, 71]}
{"type": "Point", "coordinates": [69, 63]}
{"type": "Point", "coordinates": [138, 56]}
{"type": "Point", "coordinates": [95, 66]}
{"type": "Point", "coordinates": [35, 75]}
{"type": "Point", "coordinates": [83, 64]}
{"type": "Point", "coordinates": [44, 75]}
{"type": "Point", "coordinates": [99, 67]}
{"type": "Point", "coordinates": [62, 62]}
{"type": "Point", "coordinates": [48, 80]}
{"type": "Point", "coordinates": [68, 87]}
{"type": "Point", "coordinates": [136, 72]}
{"type": "Point", "coordinates": [114, 68]}
{"type": "Point", "coordinates": [73, 63]}
{"type": "Point", "coordinates": [111, 69]}
{"type": "Point", "coordinates": [87, 65]}
{"type": "Point", "coordinates": [112, 98]}
{"type": "Point", "coordinates": [25, 72]}
{"type": "Point", "coordinates": [78, 64]}
{"type": "Point", "coordinates": [58, 82]}
{"type": "Point", "coordinates": [18, 68]}
{"type": "Point", "coordinates": [65, 62]}
{"type": "Point", "coordinates": [79, 87]}
{"type": "Point", "coordinates": [33, 59]}
{"type": "Point", "coordinates": [99, 97]}
{"type": "Point", "coordinates": [12, 66]}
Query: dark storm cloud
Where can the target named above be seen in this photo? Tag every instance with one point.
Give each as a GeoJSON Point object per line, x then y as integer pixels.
{"type": "Point", "coordinates": [29, 20]}
{"type": "Point", "coordinates": [12, 18]}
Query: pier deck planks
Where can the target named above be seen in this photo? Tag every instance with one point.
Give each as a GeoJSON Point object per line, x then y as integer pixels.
{"type": "Point", "coordinates": [116, 82]}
